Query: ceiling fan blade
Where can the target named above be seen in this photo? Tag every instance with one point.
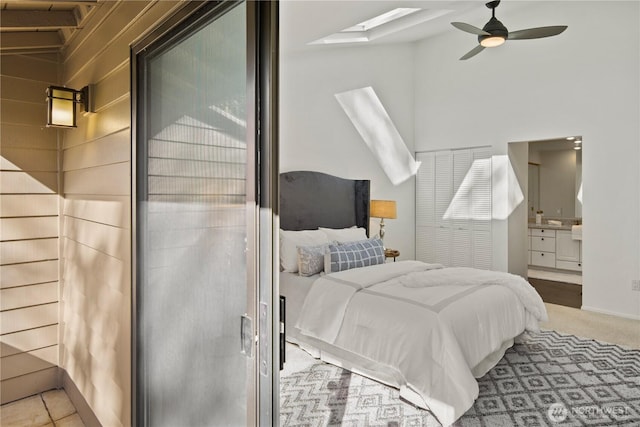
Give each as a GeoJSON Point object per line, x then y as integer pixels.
{"type": "Point", "coordinates": [536, 33]}
{"type": "Point", "coordinates": [473, 52]}
{"type": "Point", "coordinates": [468, 28]}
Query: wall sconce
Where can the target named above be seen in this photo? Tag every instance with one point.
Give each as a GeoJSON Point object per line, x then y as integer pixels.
{"type": "Point", "coordinates": [61, 105]}
{"type": "Point", "coordinates": [383, 209]}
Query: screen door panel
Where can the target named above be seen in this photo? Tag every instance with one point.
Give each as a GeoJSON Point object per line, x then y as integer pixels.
{"type": "Point", "coordinates": [193, 227]}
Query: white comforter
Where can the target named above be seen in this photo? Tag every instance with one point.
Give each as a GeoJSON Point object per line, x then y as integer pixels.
{"type": "Point", "coordinates": [430, 328]}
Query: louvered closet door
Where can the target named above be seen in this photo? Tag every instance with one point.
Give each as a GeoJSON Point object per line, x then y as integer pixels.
{"type": "Point", "coordinates": [460, 208]}
{"type": "Point", "coordinates": [443, 186]}
{"type": "Point", "coordinates": [453, 207]}
{"type": "Point", "coordinates": [443, 191]}
{"type": "Point", "coordinates": [481, 212]}
{"type": "Point", "coordinates": [425, 208]}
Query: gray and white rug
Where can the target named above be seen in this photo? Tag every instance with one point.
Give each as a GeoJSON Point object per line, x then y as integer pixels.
{"type": "Point", "coordinates": [550, 379]}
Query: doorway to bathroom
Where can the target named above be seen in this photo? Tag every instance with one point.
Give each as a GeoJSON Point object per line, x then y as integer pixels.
{"type": "Point", "coordinates": [551, 178]}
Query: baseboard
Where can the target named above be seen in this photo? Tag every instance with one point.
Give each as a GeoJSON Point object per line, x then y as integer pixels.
{"type": "Point", "coordinates": [84, 410]}
{"type": "Point", "coordinates": [29, 384]}
{"type": "Point", "coordinates": [610, 313]}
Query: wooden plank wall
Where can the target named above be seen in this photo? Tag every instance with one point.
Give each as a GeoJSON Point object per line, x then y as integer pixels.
{"type": "Point", "coordinates": [29, 224]}
{"type": "Point", "coordinates": [96, 218]}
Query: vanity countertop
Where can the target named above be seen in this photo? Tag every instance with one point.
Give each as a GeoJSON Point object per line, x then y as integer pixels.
{"type": "Point", "coordinates": [549, 226]}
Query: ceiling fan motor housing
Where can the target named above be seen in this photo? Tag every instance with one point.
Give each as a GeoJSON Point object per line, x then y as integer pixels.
{"type": "Point", "coordinates": [495, 29]}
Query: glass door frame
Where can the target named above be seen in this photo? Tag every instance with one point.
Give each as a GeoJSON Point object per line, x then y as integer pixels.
{"type": "Point", "coordinates": [262, 192]}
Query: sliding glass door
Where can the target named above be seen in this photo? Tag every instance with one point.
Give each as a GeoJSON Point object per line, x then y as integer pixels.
{"type": "Point", "coordinates": [198, 224]}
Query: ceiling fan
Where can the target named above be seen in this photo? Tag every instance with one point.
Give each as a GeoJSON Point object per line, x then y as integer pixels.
{"type": "Point", "coordinates": [494, 33]}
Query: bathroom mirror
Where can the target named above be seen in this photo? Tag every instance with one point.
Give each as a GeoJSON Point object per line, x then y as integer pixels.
{"type": "Point", "coordinates": [555, 178]}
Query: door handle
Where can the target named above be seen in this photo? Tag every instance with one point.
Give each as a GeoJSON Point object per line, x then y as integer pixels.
{"type": "Point", "coordinates": [283, 319]}
{"type": "Point", "coordinates": [246, 336]}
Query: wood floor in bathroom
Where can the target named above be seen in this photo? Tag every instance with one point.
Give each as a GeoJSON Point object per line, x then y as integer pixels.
{"type": "Point", "coordinates": [561, 293]}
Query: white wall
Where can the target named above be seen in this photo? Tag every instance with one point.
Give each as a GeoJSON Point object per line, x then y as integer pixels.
{"type": "Point", "coordinates": [316, 134]}
{"type": "Point", "coordinates": [518, 238]}
{"type": "Point", "coordinates": [578, 83]}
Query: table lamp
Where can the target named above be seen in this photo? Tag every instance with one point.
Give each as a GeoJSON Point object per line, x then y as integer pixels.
{"type": "Point", "coordinates": [383, 209]}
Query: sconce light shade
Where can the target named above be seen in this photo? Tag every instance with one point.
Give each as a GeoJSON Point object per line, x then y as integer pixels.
{"type": "Point", "coordinates": [61, 105]}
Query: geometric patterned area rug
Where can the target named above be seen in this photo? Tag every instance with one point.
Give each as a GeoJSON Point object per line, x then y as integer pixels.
{"type": "Point", "coordinates": [550, 379]}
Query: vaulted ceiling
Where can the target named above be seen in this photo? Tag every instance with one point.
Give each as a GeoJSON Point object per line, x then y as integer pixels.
{"type": "Point", "coordinates": [37, 26]}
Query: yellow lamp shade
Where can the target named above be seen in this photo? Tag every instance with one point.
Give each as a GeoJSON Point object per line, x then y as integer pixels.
{"type": "Point", "coordinates": [383, 209]}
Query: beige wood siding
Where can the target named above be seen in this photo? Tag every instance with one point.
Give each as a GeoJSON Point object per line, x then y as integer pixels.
{"type": "Point", "coordinates": [29, 224]}
{"type": "Point", "coordinates": [96, 211]}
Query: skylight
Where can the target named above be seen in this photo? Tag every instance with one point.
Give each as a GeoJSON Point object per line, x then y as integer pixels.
{"type": "Point", "coordinates": [382, 19]}
{"type": "Point", "coordinates": [395, 20]}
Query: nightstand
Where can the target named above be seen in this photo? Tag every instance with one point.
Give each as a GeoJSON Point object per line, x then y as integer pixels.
{"type": "Point", "coordinates": [391, 253]}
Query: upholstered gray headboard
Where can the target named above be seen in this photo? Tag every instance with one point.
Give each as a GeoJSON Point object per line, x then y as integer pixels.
{"type": "Point", "coordinates": [309, 200]}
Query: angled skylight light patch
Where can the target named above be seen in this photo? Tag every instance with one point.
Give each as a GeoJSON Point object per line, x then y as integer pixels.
{"type": "Point", "coordinates": [395, 20]}
{"type": "Point", "coordinates": [379, 133]}
{"type": "Point", "coordinates": [506, 188]}
{"type": "Point", "coordinates": [473, 198]}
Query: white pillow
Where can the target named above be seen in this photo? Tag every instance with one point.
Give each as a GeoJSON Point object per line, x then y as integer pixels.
{"type": "Point", "coordinates": [290, 240]}
{"type": "Point", "coordinates": [343, 235]}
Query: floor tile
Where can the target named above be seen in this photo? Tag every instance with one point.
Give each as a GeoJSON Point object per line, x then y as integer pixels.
{"type": "Point", "coordinates": [29, 412]}
{"type": "Point", "coordinates": [70, 421]}
{"type": "Point", "coordinates": [58, 404]}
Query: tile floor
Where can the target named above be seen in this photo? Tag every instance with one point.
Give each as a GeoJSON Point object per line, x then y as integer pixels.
{"type": "Point", "coordinates": [49, 409]}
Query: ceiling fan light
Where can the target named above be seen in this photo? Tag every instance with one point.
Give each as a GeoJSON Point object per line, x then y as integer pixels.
{"type": "Point", "coordinates": [492, 41]}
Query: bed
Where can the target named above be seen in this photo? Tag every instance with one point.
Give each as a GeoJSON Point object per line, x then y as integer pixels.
{"type": "Point", "coordinates": [422, 328]}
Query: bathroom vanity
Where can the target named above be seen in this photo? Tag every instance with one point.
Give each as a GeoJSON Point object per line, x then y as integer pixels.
{"type": "Point", "coordinates": [555, 247]}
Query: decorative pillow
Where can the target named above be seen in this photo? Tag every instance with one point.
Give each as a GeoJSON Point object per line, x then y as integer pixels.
{"type": "Point", "coordinates": [353, 255]}
{"type": "Point", "coordinates": [311, 259]}
{"type": "Point", "coordinates": [343, 235]}
{"type": "Point", "coordinates": [290, 240]}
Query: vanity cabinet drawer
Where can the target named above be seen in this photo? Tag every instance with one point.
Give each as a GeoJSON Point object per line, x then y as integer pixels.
{"type": "Point", "coordinates": [543, 243]}
{"type": "Point", "coordinates": [543, 232]}
{"type": "Point", "coordinates": [543, 259]}
{"type": "Point", "coordinates": [569, 265]}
